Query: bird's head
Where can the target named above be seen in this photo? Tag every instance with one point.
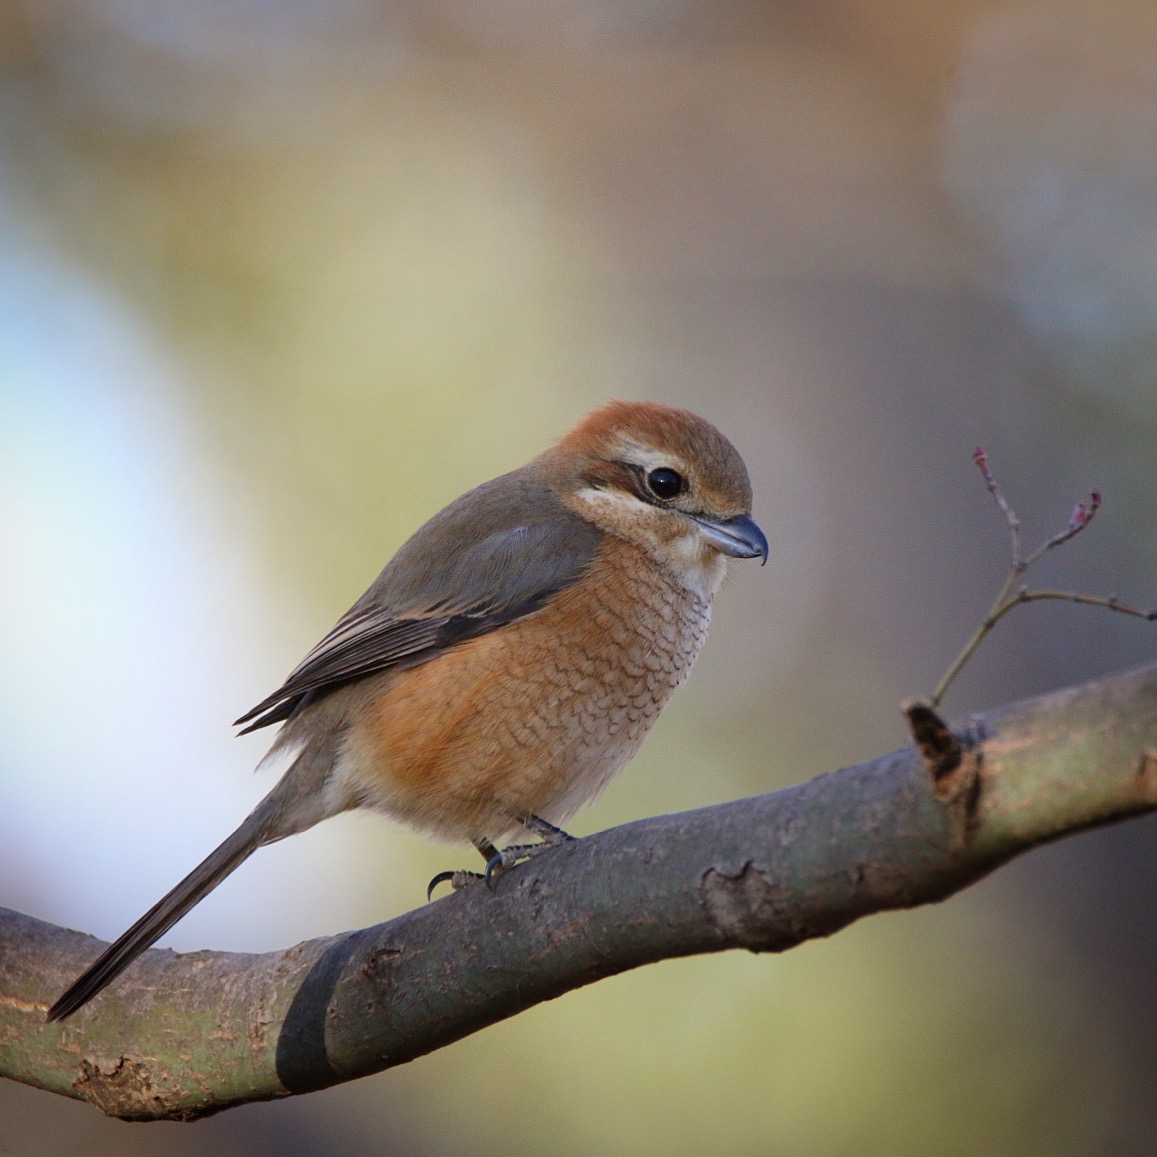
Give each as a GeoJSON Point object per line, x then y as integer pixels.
{"type": "Point", "coordinates": [662, 478]}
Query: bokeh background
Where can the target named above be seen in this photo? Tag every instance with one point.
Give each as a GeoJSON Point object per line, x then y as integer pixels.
{"type": "Point", "coordinates": [278, 280]}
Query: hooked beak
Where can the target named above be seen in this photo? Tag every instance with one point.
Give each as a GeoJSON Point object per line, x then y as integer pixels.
{"type": "Point", "coordinates": [737, 537]}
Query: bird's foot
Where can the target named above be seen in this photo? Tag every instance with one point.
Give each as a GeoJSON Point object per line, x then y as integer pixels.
{"type": "Point", "coordinates": [497, 861]}
{"type": "Point", "coordinates": [502, 861]}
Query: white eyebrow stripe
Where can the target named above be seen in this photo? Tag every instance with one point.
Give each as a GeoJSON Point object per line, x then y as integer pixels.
{"type": "Point", "coordinates": [648, 457]}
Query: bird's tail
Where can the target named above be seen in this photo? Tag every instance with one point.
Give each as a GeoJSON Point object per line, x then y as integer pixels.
{"type": "Point", "coordinates": [159, 919]}
{"type": "Point", "coordinates": [290, 807]}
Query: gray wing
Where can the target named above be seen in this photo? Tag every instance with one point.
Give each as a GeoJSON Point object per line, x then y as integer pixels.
{"type": "Point", "coordinates": [491, 557]}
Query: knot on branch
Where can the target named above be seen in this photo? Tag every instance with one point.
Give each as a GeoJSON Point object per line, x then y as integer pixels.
{"type": "Point", "coordinates": [939, 747]}
{"type": "Point", "coordinates": [125, 1090]}
{"type": "Point", "coordinates": [952, 763]}
{"type": "Point", "coordinates": [751, 911]}
{"type": "Point", "coordinates": [1146, 773]}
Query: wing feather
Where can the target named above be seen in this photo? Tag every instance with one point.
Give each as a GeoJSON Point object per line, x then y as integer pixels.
{"type": "Point", "coordinates": [493, 556]}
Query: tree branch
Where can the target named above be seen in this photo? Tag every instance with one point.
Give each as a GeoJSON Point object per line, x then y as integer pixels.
{"type": "Point", "coordinates": [182, 1036]}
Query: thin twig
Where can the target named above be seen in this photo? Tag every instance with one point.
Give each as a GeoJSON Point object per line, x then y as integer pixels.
{"type": "Point", "coordinates": [1080, 518]}
{"type": "Point", "coordinates": [1110, 602]}
{"type": "Point", "coordinates": [1005, 600]}
{"type": "Point", "coordinates": [981, 460]}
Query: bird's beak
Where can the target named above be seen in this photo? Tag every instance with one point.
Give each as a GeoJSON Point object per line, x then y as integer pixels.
{"type": "Point", "coordinates": [738, 537]}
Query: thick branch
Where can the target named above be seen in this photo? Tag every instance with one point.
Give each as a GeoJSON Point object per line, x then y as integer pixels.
{"type": "Point", "coordinates": [181, 1036]}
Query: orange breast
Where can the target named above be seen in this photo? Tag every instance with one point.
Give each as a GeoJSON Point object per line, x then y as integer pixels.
{"type": "Point", "coordinates": [534, 717]}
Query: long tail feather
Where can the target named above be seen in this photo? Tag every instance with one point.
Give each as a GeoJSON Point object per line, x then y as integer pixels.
{"type": "Point", "coordinates": [164, 914]}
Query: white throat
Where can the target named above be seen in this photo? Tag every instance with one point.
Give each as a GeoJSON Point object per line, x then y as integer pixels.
{"type": "Point", "coordinates": [696, 565]}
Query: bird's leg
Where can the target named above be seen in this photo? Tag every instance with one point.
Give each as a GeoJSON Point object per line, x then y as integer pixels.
{"type": "Point", "coordinates": [550, 836]}
{"type": "Point", "coordinates": [548, 833]}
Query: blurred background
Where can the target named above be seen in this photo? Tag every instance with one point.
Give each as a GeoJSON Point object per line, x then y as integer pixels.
{"type": "Point", "coordinates": [278, 280]}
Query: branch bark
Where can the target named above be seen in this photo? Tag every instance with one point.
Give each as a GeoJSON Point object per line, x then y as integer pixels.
{"type": "Point", "coordinates": [183, 1036]}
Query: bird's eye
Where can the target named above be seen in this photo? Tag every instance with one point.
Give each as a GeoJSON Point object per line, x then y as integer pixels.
{"type": "Point", "coordinates": [665, 482]}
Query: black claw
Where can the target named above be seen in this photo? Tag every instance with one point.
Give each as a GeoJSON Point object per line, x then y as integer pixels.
{"type": "Point", "coordinates": [440, 878]}
{"type": "Point", "coordinates": [494, 864]}
{"type": "Point", "coordinates": [443, 877]}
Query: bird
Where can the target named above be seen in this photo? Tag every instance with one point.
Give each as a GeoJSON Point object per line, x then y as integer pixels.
{"type": "Point", "coordinates": [507, 662]}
